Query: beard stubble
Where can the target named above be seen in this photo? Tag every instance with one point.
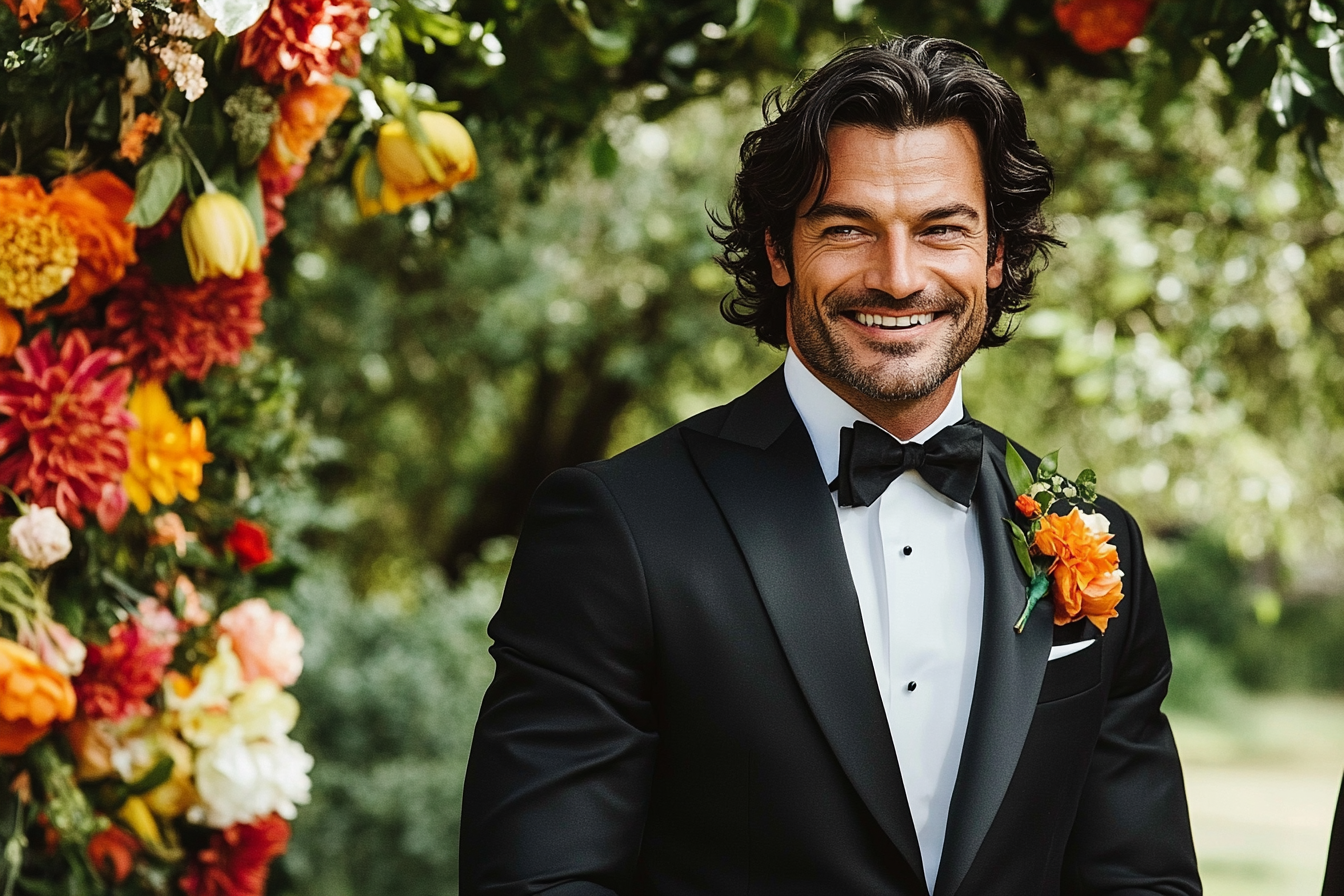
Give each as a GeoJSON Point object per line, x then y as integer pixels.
{"type": "Point", "coordinates": [833, 357]}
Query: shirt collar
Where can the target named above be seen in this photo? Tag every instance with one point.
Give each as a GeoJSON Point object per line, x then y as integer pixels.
{"type": "Point", "coordinates": [824, 413]}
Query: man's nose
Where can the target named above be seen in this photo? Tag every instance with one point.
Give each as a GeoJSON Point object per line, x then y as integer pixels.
{"type": "Point", "coordinates": [895, 266]}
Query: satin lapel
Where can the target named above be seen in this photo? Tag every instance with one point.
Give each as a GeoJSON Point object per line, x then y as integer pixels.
{"type": "Point", "coordinates": [776, 502]}
{"type": "Point", "coordinates": [1007, 682]}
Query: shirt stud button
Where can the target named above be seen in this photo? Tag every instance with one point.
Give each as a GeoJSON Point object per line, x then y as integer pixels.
{"type": "Point", "coordinates": [907, 551]}
{"type": "Point", "coordinates": [910, 686]}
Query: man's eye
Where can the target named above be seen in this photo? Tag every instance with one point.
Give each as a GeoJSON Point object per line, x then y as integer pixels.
{"type": "Point", "coordinates": [841, 230]}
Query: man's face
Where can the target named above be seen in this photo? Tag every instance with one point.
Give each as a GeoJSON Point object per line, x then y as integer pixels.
{"type": "Point", "coordinates": [887, 296]}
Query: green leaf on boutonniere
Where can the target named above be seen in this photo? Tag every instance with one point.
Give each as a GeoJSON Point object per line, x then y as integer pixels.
{"type": "Point", "coordinates": [1049, 465]}
{"type": "Point", "coordinates": [1020, 548]}
{"type": "Point", "coordinates": [1019, 474]}
{"type": "Point", "coordinates": [1087, 486]}
{"type": "Point", "coordinates": [1040, 584]}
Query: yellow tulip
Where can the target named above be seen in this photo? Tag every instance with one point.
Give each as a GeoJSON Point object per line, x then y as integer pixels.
{"type": "Point", "coordinates": [220, 237]}
{"type": "Point", "coordinates": [140, 819]}
{"type": "Point", "coordinates": [413, 171]}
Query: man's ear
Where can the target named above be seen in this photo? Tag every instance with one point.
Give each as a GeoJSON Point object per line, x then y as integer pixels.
{"type": "Point", "coordinates": [994, 275]}
{"type": "Point", "coordinates": [779, 271]}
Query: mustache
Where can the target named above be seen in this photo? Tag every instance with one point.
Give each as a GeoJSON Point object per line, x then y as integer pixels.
{"type": "Point", "coordinates": [839, 302]}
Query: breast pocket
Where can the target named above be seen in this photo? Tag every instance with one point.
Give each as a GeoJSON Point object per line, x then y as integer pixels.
{"type": "Point", "coordinates": [1070, 675]}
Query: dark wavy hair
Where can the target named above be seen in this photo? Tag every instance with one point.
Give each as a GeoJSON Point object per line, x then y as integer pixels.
{"type": "Point", "coordinates": [900, 83]}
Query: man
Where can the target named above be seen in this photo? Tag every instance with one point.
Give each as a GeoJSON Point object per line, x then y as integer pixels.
{"type": "Point", "coordinates": [740, 659]}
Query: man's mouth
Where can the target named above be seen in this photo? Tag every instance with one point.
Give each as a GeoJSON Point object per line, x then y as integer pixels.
{"type": "Point", "coordinates": [892, 321]}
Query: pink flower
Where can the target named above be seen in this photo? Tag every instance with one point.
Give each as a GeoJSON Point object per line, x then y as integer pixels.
{"type": "Point", "coordinates": [55, 646]}
{"type": "Point", "coordinates": [267, 642]}
{"type": "Point", "coordinates": [63, 435]}
{"type": "Point", "coordinates": [119, 675]}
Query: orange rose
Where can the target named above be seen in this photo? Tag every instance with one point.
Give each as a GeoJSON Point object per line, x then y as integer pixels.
{"type": "Point", "coordinates": [1028, 506]}
{"type": "Point", "coordinates": [32, 698]}
{"type": "Point", "coordinates": [93, 207]}
{"type": "Point", "coordinates": [1086, 570]}
{"type": "Point", "coordinates": [305, 114]}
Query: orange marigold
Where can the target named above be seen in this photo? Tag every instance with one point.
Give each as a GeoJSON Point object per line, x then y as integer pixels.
{"type": "Point", "coordinates": [38, 251]}
{"type": "Point", "coordinates": [1086, 569]}
{"type": "Point", "coordinates": [1100, 25]}
{"type": "Point", "coordinates": [94, 207]}
{"type": "Point", "coordinates": [33, 697]}
{"type": "Point", "coordinates": [305, 114]}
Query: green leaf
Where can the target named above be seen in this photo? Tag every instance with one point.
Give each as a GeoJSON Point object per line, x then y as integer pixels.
{"type": "Point", "coordinates": [158, 774]}
{"type": "Point", "coordinates": [1020, 548]}
{"type": "Point", "coordinates": [1049, 465]}
{"type": "Point", "coordinates": [156, 186]}
{"type": "Point", "coordinates": [249, 191]}
{"type": "Point", "coordinates": [103, 21]}
{"type": "Point", "coordinates": [604, 157]}
{"type": "Point", "coordinates": [992, 10]}
{"type": "Point", "coordinates": [746, 12]}
{"type": "Point", "coordinates": [1019, 474]}
{"type": "Point", "coordinates": [1322, 36]}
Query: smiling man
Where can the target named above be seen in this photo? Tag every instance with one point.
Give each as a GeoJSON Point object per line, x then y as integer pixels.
{"type": "Point", "coordinates": [773, 650]}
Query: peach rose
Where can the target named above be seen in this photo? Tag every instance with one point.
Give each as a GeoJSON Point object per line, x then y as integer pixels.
{"type": "Point", "coordinates": [267, 642]}
{"type": "Point", "coordinates": [1086, 569]}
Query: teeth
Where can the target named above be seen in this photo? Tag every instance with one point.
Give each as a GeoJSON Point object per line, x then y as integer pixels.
{"type": "Point", "coordinates": [893, 323]}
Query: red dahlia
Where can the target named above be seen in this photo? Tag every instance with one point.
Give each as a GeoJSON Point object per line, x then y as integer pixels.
{"type": "Point", "coordinates": [63, 425]}
{"type": "Point", "coordinates": [298, 42]}
{"type": "Point", "coordinates": [120, 675]}
{"type": "Point", "coordinates": [237, 860]}
{"type": "Point", "coordinates": [163, 328]}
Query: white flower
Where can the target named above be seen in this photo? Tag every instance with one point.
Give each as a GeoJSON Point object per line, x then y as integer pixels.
{"type": "Point", "coordinates": [233, 16]}
{"type": "Point", "coordinates": [240, 781]}
{"type": "Point", "coordinates": [40, 537]}
{"type": "Point", "coordinates": [187, 68]}
{"type": "Point", "coordinates": [188, 25]}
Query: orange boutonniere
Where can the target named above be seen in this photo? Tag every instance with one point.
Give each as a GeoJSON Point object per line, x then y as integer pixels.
{"type": "Point", "coordinates": [1069, 556]}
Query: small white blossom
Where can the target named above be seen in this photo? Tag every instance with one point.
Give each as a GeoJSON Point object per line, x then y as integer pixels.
{"type": "Point", "coordinates": [40, 537]}
{"type": "Point", "coordinates": [188, 25]}
{"type": "Point", "coordinates": [188, 69]}
{"type": "Point", "coordinates": [240, 781]}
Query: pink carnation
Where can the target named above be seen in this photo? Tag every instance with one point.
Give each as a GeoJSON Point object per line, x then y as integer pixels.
{"type": "Point", "coordinates": [267, 642]}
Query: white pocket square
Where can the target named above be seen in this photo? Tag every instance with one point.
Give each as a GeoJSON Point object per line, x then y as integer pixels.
{"type": "Point", "coordinates": [1063, 650]}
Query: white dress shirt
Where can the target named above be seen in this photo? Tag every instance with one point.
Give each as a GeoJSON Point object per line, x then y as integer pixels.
{"type": "Point", "coordinates": [919, 572]}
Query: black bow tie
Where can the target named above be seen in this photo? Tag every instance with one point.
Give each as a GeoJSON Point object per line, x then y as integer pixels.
{"type": "Point", "coordinates": [871, 459]}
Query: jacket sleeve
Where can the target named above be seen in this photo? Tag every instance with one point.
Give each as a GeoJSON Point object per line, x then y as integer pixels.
{"type": "Point", "coordinates": [559, 777]}
{"type": "Point", "coordinates": [1131, 836]}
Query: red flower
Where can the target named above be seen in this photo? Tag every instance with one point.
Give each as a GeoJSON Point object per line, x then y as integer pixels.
{"type": "Point", "coordinates": [118, 676]}
{"type": "Point", "coordinates": [237, 860]}
{"type": "Point", "coordinates": [164, 328]}
{"type": "Point", "coordinates": [250, 544]}
{"type": "Point", "coordinates": [1028, 506]}
{"type": "Point", "coordinates": [113, 852]}
{"type": "Point", "coordinates": [305, 41]}
{"type": "Point", "coordinates": [1101, 25]}
{"type": "Point", "coordinates": [63, 436]}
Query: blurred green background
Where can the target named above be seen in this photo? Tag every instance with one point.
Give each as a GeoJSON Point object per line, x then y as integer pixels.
{"type": "Point", "coordinates": [1186, 345]}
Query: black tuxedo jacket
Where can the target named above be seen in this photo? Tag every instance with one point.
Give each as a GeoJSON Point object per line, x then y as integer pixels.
{"type": "Point", "coordinates": [684, 701]}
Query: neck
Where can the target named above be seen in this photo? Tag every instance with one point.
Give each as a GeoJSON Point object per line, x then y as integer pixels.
{"type": "Point", "coordinates": [903, 418]}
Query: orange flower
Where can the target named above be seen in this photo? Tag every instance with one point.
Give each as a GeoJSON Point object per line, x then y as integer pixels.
{"type": "Point", "coordinates": [94, 208]}
{"type": "Point", "coordinates": [133, 143]}
{"type": "Point", "coordinates": [27, 11]}
{"type": "Point", "coordinates": [1100, 25]}
{"type": "Point", "coordinates": [113, 851]}
{"type": "Point", "coordinates": [32, 698]}
{"type": "Point", "coordinates": [1086, 569]}
{"type": "Point", "coordinates": [305, 114]}
{"type": "Point", "coordinates": [38, 251]}
{"type": "Point", "coordinates": [1028, 506]}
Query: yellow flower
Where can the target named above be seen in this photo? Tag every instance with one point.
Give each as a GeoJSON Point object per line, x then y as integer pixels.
{"type": "Point", "coordinates": [413, 171]}
{"type": "Point", "coordinates": [220, 237]}
{"type": "Point", "coordinates": [38, 252]}
{"type": "Point", "coordinates": [167, 454]}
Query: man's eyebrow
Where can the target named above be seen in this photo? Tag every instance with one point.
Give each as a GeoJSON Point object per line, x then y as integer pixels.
{"type": "Point", "coordinates": [838, 210]}
{"type": "Point", "coordinates": [841, 210]}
